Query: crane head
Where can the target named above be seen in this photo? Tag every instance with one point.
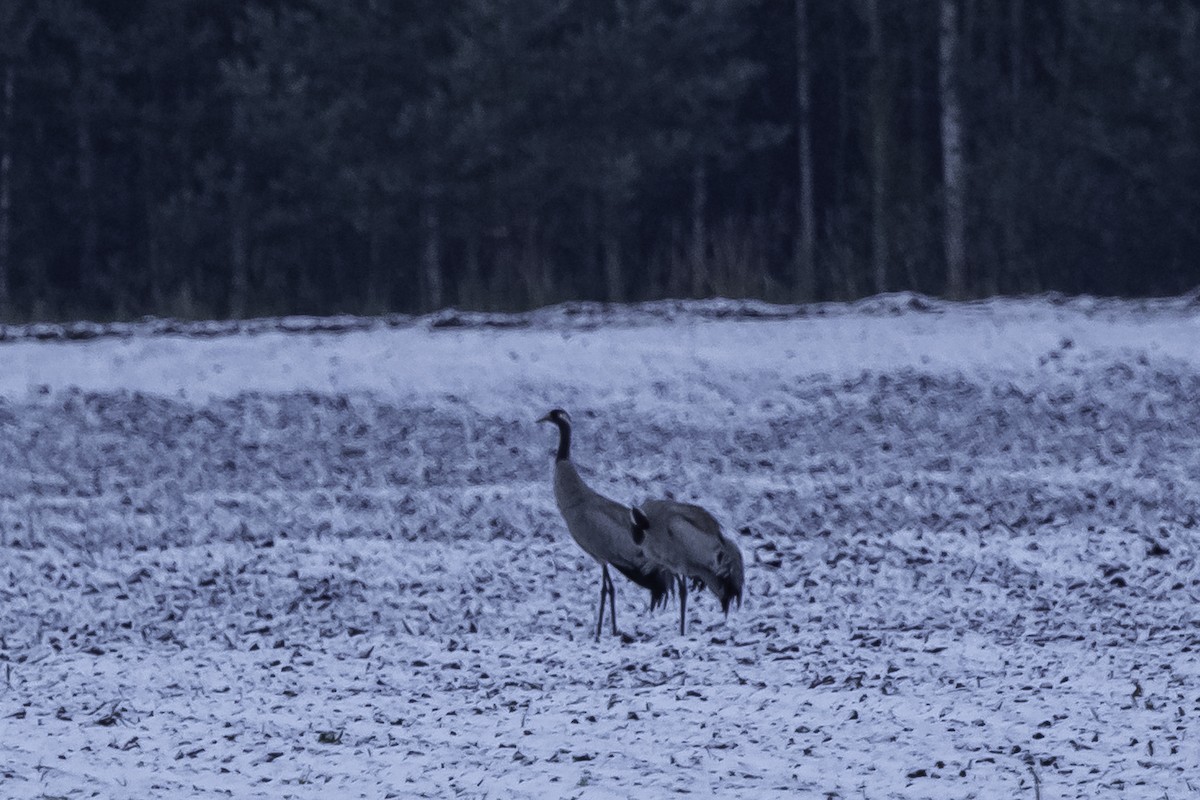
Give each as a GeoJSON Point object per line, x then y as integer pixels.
{"type": "Point", "coordinates": [638, 523]}
{"type": "Point", "coordinates": [557, 417]}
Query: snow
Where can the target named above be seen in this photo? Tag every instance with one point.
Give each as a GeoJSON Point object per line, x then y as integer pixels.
{"type": "Point", "coordinates": [312, 559]}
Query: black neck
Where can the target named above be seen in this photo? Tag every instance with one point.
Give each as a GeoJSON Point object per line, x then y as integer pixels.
{"type": "Point", "coordinates": [564, 440]}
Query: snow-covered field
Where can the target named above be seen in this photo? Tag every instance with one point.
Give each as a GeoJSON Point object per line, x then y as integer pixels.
{"type": "Point", "coordinates": [328, 564]}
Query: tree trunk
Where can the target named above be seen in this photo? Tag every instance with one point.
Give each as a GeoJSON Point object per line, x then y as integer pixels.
{"type": "Point", "coordinates": [593, 242]}
{"type": "Point", "coordinates": [431, 252]}
{"type": "Point", "coordinates": [471, 294]}
{"type": "Point", "coordinates": [804, 266]}
{"type": "Point", "coordinates": [1016, 41]}
{"type": "Point", "coordinates": [529, 264]}
{"type": "Point", "coordinates": [846, 278]}
{"type": "Point", "coordinates": [1006, 274]}
{"type": "Point", "coordinates": [679, 273]}
{"type": "Point", "coordinates": [1189, 32]}
{"type": "Point", "coordinates": [6, 129]}
{"type": "Point", "coordinates": [154, 256]}
{"type": "Point", "coordinates": [535, 249]}
{"type": "Point", "coordinates": [613, 278]}
{"type": "Point", "coordinates": [701, 281]}
{"type": "Point", "coordinates": [376, 300]}
{"type": "Point", "coordinates": [239, 257]}
{"type": "Point", "coordinates": [952, 151]}
{"type": "Point", "coordinates": [1065, 66]}
{"type": "Point", "coordinates": [373, 299]}
{"type": "Point", "coordinates": [89, 244]}
{"type": "Point", "coordinates": [879, 98]}
{"type": "Point", "coordinates": [919, 145]}
{"type": "Point", "coordinates": [842, 83]}
{"type": "Point", "coordinates": [1189, 42]}
{"type": "Point", "coordinates": [155, 279]}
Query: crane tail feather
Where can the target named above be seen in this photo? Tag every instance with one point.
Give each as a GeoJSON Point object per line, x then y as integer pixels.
{"type": "Point", "coordinates": [656, 580]}
{"type": "Point", "coordinates": [730, 590]}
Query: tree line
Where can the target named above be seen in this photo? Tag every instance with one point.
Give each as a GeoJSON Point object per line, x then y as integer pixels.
{"type": "Point", "coordinates": [203, 158]}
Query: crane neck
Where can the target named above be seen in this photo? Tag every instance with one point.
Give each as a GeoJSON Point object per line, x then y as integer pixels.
{"type": "Point", "coordinates": [564, 440]}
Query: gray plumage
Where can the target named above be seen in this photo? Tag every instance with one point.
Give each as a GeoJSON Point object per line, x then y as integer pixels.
{"type": "Point", "coordinates": [687, 540]}
{"type": "Point", "coordinates": [600, 527]}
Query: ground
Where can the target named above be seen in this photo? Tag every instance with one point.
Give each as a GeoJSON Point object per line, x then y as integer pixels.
{"type": "Point", "coordinates": [287, 560]}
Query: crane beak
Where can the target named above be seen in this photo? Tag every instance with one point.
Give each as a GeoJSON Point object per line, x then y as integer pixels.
{"type": "Point", "coordinates": [543, 419]}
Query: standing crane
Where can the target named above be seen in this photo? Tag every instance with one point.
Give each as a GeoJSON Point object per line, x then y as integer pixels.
{"type": "Point", "coordinates": [601, 527]}
{"type": "Point", "coordinates": [686, 541]}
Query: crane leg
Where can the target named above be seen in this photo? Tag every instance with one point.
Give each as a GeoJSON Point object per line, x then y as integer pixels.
{"type": "Point", "coordinates": [682, 605]}
{"type": "Point", "coordinates": [604, 582]}
{"type": "Point", "coordinates": [612, 600]}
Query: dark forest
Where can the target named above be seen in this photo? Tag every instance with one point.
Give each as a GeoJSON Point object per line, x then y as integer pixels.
{"type": "Point", "coordinates": [212, 158]}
